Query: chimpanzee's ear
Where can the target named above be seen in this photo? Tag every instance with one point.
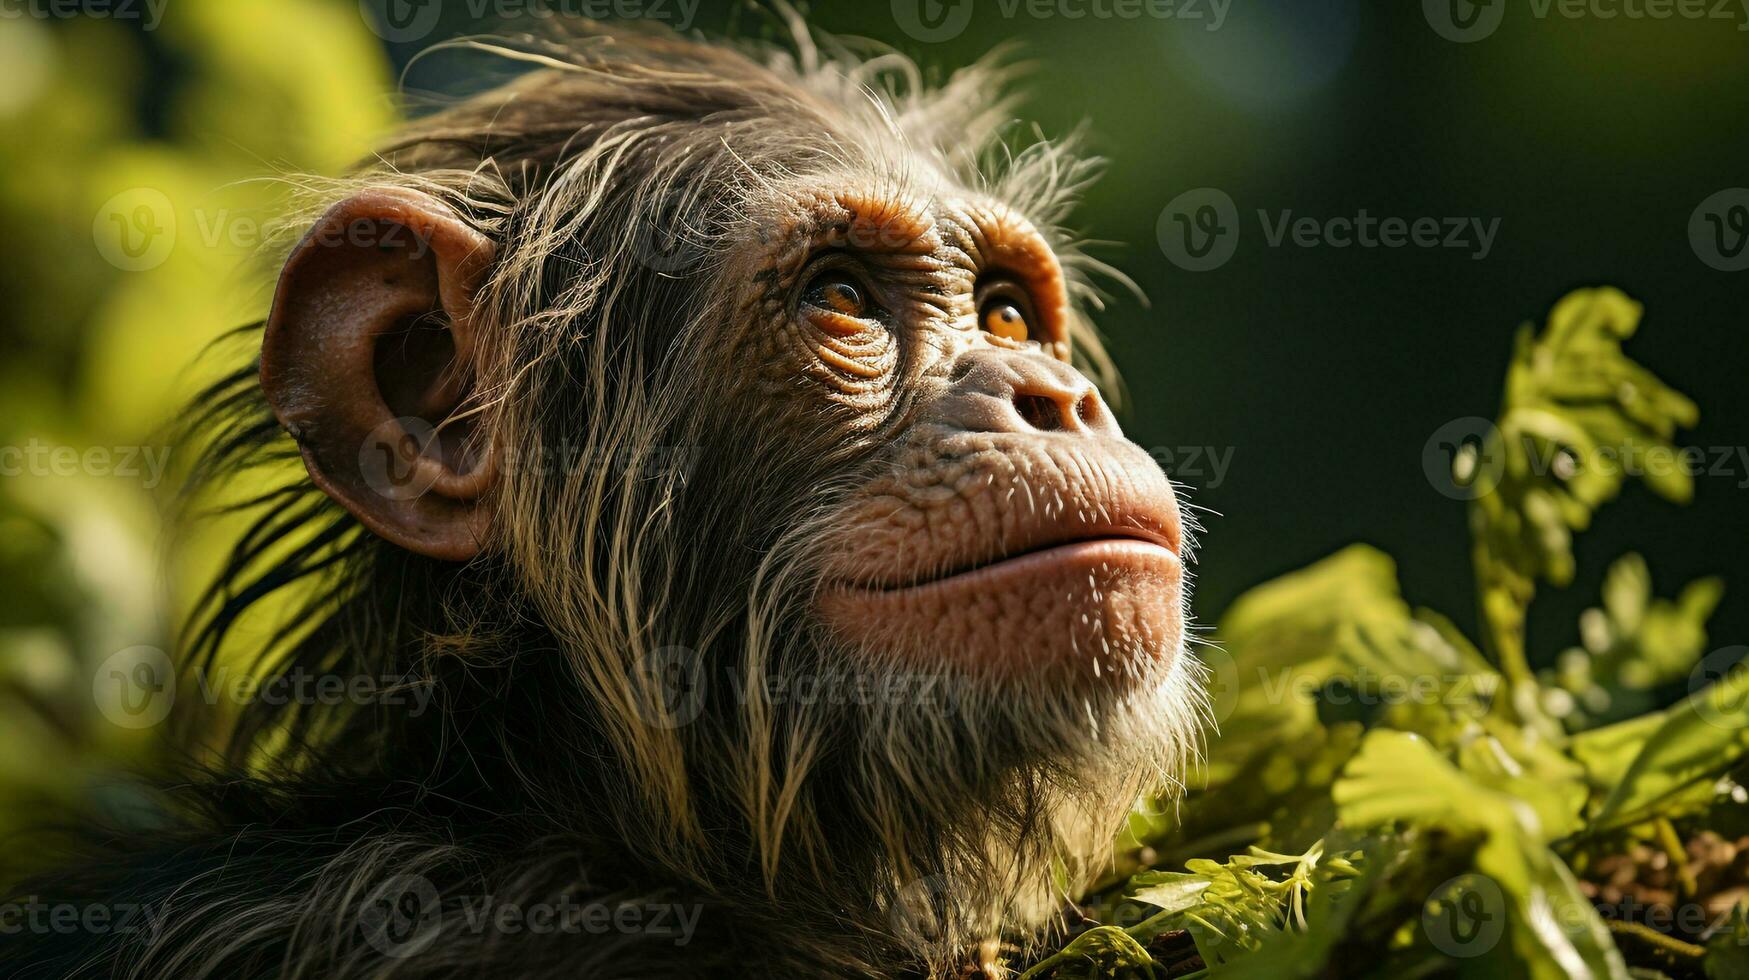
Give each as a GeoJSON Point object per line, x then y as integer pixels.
{"type": "Point", "coordinates": [368, 361]}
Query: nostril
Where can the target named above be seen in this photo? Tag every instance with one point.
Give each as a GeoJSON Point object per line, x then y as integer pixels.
{"type": "Point", "coordinates": [1039, 411]}
{"type": "Point", "coordinates": [1089, 409]}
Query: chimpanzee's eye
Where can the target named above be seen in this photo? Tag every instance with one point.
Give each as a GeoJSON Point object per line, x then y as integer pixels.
{"type": "Point", "coordinates": [1004, 310]}
{"type": "Point", "coordinates": [837, 291]}
{"type": "Point", "coordinates": [1003, 319]}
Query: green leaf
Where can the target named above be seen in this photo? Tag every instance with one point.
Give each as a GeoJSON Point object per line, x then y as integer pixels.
{"type": "Point", "coordinates": [1630, 646]}
{"type": "Point", "coordinates": [1606, 753]}
{"type": "Point", "coordinates": [1100, 952]}
{"type": "Point", "coordinates": [1727, 954]}
{"type": "Point", "coordinates": [1578, 418]}
{"type": "Point", "coordinates": [1170, 891]}
{"type": "Point", "coordinates": [1555, 933]}
{"type": "Point", "coordinates": [1234, 908]}
{"type": "Point", "coordinates": [1698, 740]}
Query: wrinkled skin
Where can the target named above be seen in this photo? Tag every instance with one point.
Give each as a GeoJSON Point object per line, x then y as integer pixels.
{"type": "Point", "coordinates": [1009, 527]}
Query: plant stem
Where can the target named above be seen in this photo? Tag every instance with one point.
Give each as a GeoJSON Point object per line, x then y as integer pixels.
{"type": "Point", "coordinates": [1678, 854]}
{"type": "Point", "coordinates": [1504, 600]}
{"type": "Point", "coordinates": [1654, 938]}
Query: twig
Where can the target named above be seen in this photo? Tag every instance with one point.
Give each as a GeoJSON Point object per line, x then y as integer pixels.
{"type": "Point", "coordinates": [1672, 845]}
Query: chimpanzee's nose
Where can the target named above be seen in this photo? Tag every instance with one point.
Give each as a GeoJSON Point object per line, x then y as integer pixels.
{"type": "Point", "coordinates": [1022, 391]}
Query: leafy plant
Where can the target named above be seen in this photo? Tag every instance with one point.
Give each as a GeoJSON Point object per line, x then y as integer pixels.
{"type": "Point", "coordinates": [1387, 798]}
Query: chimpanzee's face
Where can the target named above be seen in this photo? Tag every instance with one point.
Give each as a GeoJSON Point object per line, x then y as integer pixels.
{"type": "Point", "coordinates": [996, 522]}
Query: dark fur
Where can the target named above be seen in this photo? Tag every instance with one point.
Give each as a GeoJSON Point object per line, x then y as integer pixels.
{"type": "Point", "coordinates": [517, 784]}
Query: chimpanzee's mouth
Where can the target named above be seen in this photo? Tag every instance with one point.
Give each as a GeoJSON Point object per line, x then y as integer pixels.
{"type": "Point", "coordinates": [1108, 545]}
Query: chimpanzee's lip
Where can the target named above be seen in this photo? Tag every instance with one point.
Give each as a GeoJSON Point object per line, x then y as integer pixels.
{"type": "Point", "coordinates": [1075, 609]}
{"type": "Point", "coordinates": [1080, 581]}
{"type": "Point", "coordinates": [1110, 543]}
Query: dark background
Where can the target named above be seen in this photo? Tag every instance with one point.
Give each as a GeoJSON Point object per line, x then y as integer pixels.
{"type": "Point", "coordinates": [1326, 370]}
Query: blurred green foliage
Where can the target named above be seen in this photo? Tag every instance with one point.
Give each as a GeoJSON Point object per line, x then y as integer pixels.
{"type": "Point", "coordinates": [99, 139]}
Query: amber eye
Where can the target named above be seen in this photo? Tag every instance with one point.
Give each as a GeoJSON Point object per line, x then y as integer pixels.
{"type": "Point", "coordinates": [1004, 319]}
{"type": "Point", "coordinates": [836, 292]}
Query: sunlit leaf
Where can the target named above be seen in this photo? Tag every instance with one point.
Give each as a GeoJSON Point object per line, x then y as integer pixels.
{"type": "Point", "coordinates": [1696, 741]}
